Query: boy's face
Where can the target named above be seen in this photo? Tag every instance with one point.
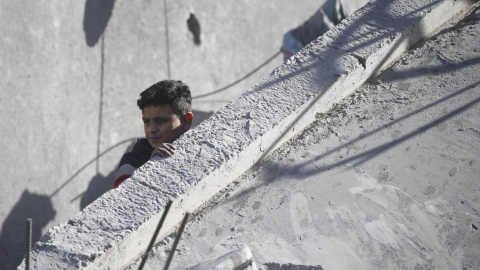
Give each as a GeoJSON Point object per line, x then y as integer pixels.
{"type": "Point", "coordinates": [162, 125]}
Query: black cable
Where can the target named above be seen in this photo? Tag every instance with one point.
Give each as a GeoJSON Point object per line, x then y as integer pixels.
{"type": "Point", "coordinates": [167, 38]}
{"type": "Point", "coordinates": [239, 80]}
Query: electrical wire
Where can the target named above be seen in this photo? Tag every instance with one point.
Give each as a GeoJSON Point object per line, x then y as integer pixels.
{"type": "Point", "coordinates": [239, 80]}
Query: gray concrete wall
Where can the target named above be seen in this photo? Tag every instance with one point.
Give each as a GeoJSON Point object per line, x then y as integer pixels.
{"type": "Point", "coordinates": [70, 75]}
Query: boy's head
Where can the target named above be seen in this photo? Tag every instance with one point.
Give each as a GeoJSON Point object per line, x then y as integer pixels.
{"type": "Point", "coordinates": [166, 111]}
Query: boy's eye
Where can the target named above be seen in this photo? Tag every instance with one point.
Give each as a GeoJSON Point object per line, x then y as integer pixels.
{"type": "Point", "coordinates": [146, 121]}
{"type": "Point", "coordinates": [160, 121]}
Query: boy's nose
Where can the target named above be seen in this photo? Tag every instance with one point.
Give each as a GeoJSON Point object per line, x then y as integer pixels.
{"type": "Point", "coordinates": [153, 127]}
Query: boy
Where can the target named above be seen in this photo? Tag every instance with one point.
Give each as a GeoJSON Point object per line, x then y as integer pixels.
{"type": "Point", "coordinates": [166, 114]}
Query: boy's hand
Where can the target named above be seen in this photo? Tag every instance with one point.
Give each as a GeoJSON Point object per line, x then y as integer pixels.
{"type": "Point", "coordinates": [164, 150]}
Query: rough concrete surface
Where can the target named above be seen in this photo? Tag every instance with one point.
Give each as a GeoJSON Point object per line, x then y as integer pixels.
{"type": "Point", "coordinates": [71, 72]}
{"type": "Point", "coordinates": [387, 179]}
{"type": "Point", "coordinates": [111, 231]}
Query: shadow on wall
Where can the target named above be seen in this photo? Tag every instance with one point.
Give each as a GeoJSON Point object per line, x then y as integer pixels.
{"type": "Point", "coordinates": [40, 209]}
{"type": "Point", "coordinates": [13, 237]}
{"type": "Point", "coordinates": [194, 27]}
{"type": "Point", "coordinates": [97, 14]}
{"type": "Point", "coordinates": [100, 184]}
{"type": "Point", "coordinates": [199, 117]}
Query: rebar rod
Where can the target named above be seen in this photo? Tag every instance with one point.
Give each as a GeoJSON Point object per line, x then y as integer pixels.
{"type": "Point", "coordinates": [177, 239]}
{"type": "Point", "coordinates": [29, 244]}
{"type": "Point", "coordinates": [155, 234]}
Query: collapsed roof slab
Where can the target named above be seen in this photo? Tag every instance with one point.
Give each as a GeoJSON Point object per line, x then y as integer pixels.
{"type": "Point", "coordinates": [117, 228]}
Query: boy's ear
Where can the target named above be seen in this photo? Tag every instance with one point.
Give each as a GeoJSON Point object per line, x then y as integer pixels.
{"type": "Point", "coordinates": [188, 117]}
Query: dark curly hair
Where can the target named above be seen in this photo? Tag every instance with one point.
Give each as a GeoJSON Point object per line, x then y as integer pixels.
{"type": "Point", "coordinates": [168, 92]}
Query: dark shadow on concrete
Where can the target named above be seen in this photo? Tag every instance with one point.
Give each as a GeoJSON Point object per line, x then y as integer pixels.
{"type": "Point", "coordinates": [360, 158]}
{"type": "Point", "coordinates": [97, 187]}
{"type": "Point", "coordinates": [95, 19]}
{"type": "Point", "coordinates": [398, 120]}
{"type": "Point", "coordinates": [13, 236]}
{"type": "Point", "coordinates": [89, 163]}
{"type": "Point", "coordinates": [199, 117]}
{"type": "Point", "coordinates": [194, 27]}
{"type": "Point", "coordinates": [367, 155]}
{"type": "Point", "coordinates": [418, 72]}
{"type": "Point", "coordinates": [289, 266]}
{"type": "Point", "coordinates": [99, 184]}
